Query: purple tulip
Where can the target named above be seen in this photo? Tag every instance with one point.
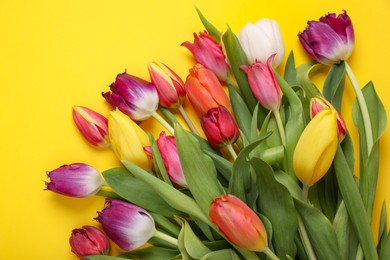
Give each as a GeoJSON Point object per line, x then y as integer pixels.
{"type": "Point", "coordinates": [128, 225]}
{"type": "Point", "coordinates": [329, 40]}
{"type": "Point", "coordinates": [89, 240]}
{"type": "Point", "coordinates": [133, 96]}
{"type": "Point", "coordinates": [75, 180]}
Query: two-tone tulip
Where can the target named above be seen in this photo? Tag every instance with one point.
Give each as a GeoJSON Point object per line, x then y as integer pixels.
{"type": "Point", "coordinates": [127, 225]}
{"type": "Point", "coordinates": [89, 240]}
{"type": "Point", "coordinates": [75, 180]}
{"type": "Point", "coordinates": [261, 40]}
{"type": "Point", "coordinates": [128, 140]}
{"type": "Point", "coordinates": [219, 127]}
{"type": "Point", "coordinates": [167, 147]}
{"type": "Point", "coordinates": [238, 223]}
{"type": "Point", "coordinates": [92, 125]}
{"type": "Point", "coordinates": [263, 83]}
{"type": "Point", "coordinates": [316, 147]}
{"type": "Point", "coordinates": [204, 90]}
{"type": "Point", "coordinates": [318, 104]}
{"type": "Point", "coordinates": [170, 86]}
{"type": "Point", "coordinates": [133, 96]}
{"type": "Point", "coordinates": [208, 52]}
{"type": "Point", "coordinates": [329, 40]}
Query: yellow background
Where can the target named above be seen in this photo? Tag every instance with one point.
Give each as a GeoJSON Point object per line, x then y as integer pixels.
{"type": "Point", "coordinates": [55, 54]}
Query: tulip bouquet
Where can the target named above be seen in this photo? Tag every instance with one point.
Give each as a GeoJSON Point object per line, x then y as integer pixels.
{"type": "Point", "coordinates": [271, 174]}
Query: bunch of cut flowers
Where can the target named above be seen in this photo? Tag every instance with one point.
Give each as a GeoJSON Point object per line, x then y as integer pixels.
{"type": "Point", "coordinates": [269, 176]}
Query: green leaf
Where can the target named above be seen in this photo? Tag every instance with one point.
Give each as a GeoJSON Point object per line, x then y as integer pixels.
{"type": "Point", "coordinates": [199, 170]}
{"type": "Point", "coordinates": [211, 29]}
{"type": "Point", "coordinates": [334, 85]}
{"type": "Point", "coordinates": [151, 253]}
{"type": "Point", "coordinates": [103, 257]}
{"type": "Point", "coordinates": [166, 224]}
{"type": "Point", "coordinates": [385, 251]}
{"type": "Point", "coordinates": [382, 231]}
{"type": "Point", "coordinates": [275, 202]}
{"type": "Point", "coordinates": [168, 115]}
{"type": "Point", "coordinates": [290, 73]}
{"type": "Point", "coordinates": [303, 78]}
{"type": "Point", "coordinates": [320, 231]}
{"type": "Point", "coordinates": [226, 254]}
{"type": "Point", "coordinates": [288, 182]}
{"type": "Point", "coordinates": [137, 191]}
{"type": "Point", "coordinates": [223, 166]}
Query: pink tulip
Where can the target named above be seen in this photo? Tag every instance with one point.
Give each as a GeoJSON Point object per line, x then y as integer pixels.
{"type": "Point", "coordinates": [89, 240]}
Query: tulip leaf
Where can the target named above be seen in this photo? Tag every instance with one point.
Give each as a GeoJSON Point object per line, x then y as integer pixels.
{"type": "Point", "coordinates": [288, 182]}
{"type": "Point", "coordinates": [198, 169]}
{"type": "Point", "coordinates": [226, 254]}
{"type": "Point", "coordinates": [383, 233]}
{"type": "Point", "coordinates": [158, 162]}
{"type": "Point", "coordinates": [275, 202]}
{"type": "Point", "coordinates": [354, 204]}
{"type": "Point", "coordinates": [165, 224]}
{"type": "Point", "coordinates": [303, 78]}
{"type": "Point", "coordinates": [137, 191]}
{"type": "Point", "coordinates": [385, 251]}
{"type": "Point", "coordinates": [168, 114]}
{"type": "Point", "coordinates": [320, 231]}
{"type": "Point", "coordinates": [333, 88]}
{"type": "Point", "coordinates": [290, 73]}
{"type": "Point", "coordinates": [223, 166]}
{"type": "Point", "coordinates": [150, 253]}
{"type": "Point", "coordinates": [211, 29]}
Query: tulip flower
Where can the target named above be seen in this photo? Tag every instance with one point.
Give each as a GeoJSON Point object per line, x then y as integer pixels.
{"type": "Point", "coordinates": [75, 180]}
{"type": "Point", "coordinates": [128, 225]}
{"type": "Point", "coordinates": [170, 86]}
{"type": "Point", "coordinates": [219, 127]}
{"type": "Point", "coordinates": [238, 223]}
{"type": "Point", "coordinates": [204, 90]}
{"type": "Point", "coordinates": [318, 104]}
{"type": "Point", "coordinates": [89, 240]}
{"type": "Point", "coordinates": [261, 40]}
{"type": "Point", "coordinates": [133, 96]}
{"type": "Point", "coordinates": [208, 52]}
{"type": "Point", "coordinates": [316, 147]}
{"type": "Point", "coordinates": [167, 147]}
{"type": "Point", "coordinates": [329, 40]}
{"type": "Point", "coordinates": [128, 140]}
{"type": "Point", "coordinates": [92, 125]}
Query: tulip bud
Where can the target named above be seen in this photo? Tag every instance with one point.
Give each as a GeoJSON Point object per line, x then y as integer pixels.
{"type": "Point", "coordinates": [316, 147]}
{"type": "Point", "coordinates": [133, 96]}
{"type": "Point", "coordinates": [240, 225]}
{"type": "Point", "coordinates": [329, 40]}
{"type": "Point", "coordinates": [92, 125]}
{"type": "Point", "coordinates": [167, 147]}
{"type": "Point", "coordinates": [75, 180]}
{"type": "Point", "coordinates": [263, 84]}
{"type": "Point", "coordinates": [208, 52]}
{"type": "Point", "coordinates": [317, 104]}
{"type": "Point", "coordinates": [220, 127]}
{"type": "Point", "coordinates": [204, 90]}
{"type": "Point", "coordinates": [170, 86]}
{"type": "Point", "coordinates": [128, 140]}
{"type": "Point", "coordinates": [89, 240]}
{"type": "Point", "coordinates": [261, 40]}
{"type": "Point", "coordinates": [128, 225]}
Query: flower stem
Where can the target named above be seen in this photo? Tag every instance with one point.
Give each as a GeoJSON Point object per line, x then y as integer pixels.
{"type": "Point", "coordinates": [231, 151]}
{"type": "Point", "coordinates": [162, 121]}
{"type": "Point", "coordinates": [363, 107]}
{"type": "Point", "coordinates": [305, 240]}
{"type": "Point", "coordinates": [305, 193]}
{"type": "Point", "coordinates": [165, 237]}
{"type": "Point", "coordinates": [188, 120]}
{"type": "Point", "coordinates": [270, 254]}
{"type": "Point", "coordinates": [280, 126]}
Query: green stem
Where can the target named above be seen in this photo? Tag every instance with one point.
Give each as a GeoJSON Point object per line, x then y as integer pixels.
{"type": "Point", "coordinates": [305, 193]}
{"type": "Point", "coordinates": [165, 237]}
{"type": "Point", "coordinates": [162, 121]}
{"type": "Point", "coordinates": [270, 254]}
{"type": "Point", "coordinates": [246, 253]}
{"type": "Point", "coordinates": [188, 120]}
{"type": "Point", "coordinates": [231, 151]}
{"type": "Point", "coordinates": [363, 108]}
{"type": "Point", "coordinates": [108, 194]}
{"type": "Point", "coordinates": [280, 126]}
{"type": "Point", "coordinates": [305, 240]}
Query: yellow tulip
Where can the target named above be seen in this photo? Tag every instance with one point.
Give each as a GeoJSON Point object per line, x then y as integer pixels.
{"type": "Point", "coordinates": [316, 147]}
{"type": "Point", "coordinates": [128, 140]}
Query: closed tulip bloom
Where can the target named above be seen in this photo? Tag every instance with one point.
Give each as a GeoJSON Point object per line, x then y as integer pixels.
{"type": "Point", "coordinates": [133, 96]}
{"type": "Point", "coordinates": [262, 39]}
{"type": "Point", "coordinates": [167, 147]}
{"type": "Point", "coordinates": [89, 240]}
{"type": "Point", "coordinates": [205, 91]}
{"type": "Point", "coordinates": [263, 83]}
{"type": "Point", "coordinates": [240, 225]}
{"type": "Point", "coordinates": [318, 104]}
{"type": "Point", "coordinates": [316, 147]}
{"type": "Point", "coordinates": [329, 40]}
{"type": "Point", "coordinates": [208, 52]}
{"type": "Point", "coordinates": [92, 125]}
{"type": "Point", "coordinates": [219, 127]}
{"type": "Point", "coordinates": [128, 225]}
{"type": "Point", "coordinates": [75, 180]}
{"type": "Point", "coordinates": [128, 140]}
{"type": "Point", "coordinates": [170, 86]}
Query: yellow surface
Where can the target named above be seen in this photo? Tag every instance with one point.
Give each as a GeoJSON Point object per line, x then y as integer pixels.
{"type": "Point", "coordinates": [55, 54]}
